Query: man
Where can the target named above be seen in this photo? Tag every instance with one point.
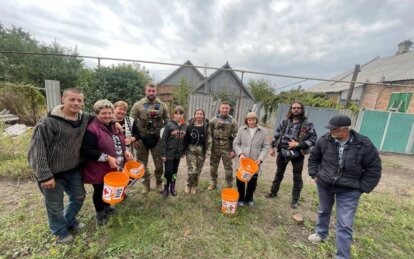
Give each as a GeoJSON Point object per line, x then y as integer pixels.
{"type": "Point", "coordinates": [344, 164]}
{"type": "Point", "coordinates": [293, 139]}
{"type": "Point", "coordinates": [150, 116]}
{"type": "Point", "coordinates": [223, 129]}
{"type": "Point", "coordinates": [54, 156]}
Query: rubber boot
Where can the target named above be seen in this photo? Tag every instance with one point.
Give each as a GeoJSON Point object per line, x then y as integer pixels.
{"type": "Point", "coordinates": [101, 218]}
{"type": "Point", "coordinates": [172, 189]}
{"type": "Point", "coordinates": [166, 187]}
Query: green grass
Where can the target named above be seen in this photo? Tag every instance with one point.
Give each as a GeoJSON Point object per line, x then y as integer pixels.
{"type": "Point", "coordinates": [192, 226]}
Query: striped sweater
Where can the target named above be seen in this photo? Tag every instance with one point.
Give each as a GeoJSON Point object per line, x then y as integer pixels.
{"type": "Point", "coordinates": [55, 144]}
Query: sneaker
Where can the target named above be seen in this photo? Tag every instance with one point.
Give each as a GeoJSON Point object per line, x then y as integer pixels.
{"type": "Point", "coordinates": [251, 203]}
{"type": "Point", "coordinates": [109, 211]}
{"type": "Point", "coordinates": [187, 190]}
{"type": "Point", "coordinates": [294, 204]}
{"type": "Point", "coordinates": [212, 187]}
{"type": "Point", "coordinates": [315, 238]}
{"type": "Point", "coordinates": [241, 203]}
{"type": "Point", "coordinates": [76, 226]}
{"type": "Point", "coordinates": [271, 195]}
{"type": "Point", "coordinates": [145, 189]}
{"type": "Point", "coordinates": [66, 239]}
{"type": "Point", "coordinates": [193, 190]}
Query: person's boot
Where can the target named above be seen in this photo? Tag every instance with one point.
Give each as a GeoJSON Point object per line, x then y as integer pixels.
{"type": "Point", "coordinates": [165, 190]}
{"type": "Point", "coordinates": [101, 218]}
{"type": "Point", "coordinates": [187, 190]}
{"type": "Point", "coordinates": [146, 188]}
{"type": "Point", "coordinates": [158, 185]}
{"type": "Point", "coordinates": [213, 186]}
{"type": "Point", "coordinates": [172, 189]}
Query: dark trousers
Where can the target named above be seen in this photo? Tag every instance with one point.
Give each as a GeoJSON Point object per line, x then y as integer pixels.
{"type": "Point", "coordinates": [246, 195]}
{"type": "Point", "coordinates": [99, 204]}
{"type": "Point", "coordinates": [171, 168]}
{"type": "Point", "coordinates": [297, 164]}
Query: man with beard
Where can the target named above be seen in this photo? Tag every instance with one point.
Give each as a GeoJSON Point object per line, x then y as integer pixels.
{"type": "Point", "coordinates": [150, 116]}
{"type": "Point", "coordinates": [293, 139]}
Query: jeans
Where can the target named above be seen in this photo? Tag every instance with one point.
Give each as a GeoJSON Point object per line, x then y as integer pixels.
{"type": "Point", "coordinates": [297, 164]}
{"type": "Point", "coordinates": [346, 206]}
{"type": "Point", "coordinates": [59, 218]}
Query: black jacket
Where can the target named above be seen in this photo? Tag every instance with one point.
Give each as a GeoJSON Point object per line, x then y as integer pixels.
{"type": "Point", "coordinates": [172, 140]}
{"type": "Point", "coordinates": [361, 167]}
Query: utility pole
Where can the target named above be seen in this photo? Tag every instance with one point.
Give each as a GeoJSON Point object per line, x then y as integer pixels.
{"type": "Point", "coordinates": [351, 86]}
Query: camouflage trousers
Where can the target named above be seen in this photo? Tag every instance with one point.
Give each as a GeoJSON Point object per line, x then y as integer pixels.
{"type": "Point", "coordinates": [216, 155]}
{"type": "Point", "coordinates": [143, 155]}
{"type": "Point", "coordinates": [195, 160]}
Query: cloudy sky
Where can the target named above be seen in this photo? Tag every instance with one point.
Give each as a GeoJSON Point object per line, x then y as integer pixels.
{"type": "Point", "coordinates": [315, 38]}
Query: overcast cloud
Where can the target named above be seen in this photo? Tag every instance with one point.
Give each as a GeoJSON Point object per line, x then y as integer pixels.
{"type": "Point", "coordinates": [316, 38]}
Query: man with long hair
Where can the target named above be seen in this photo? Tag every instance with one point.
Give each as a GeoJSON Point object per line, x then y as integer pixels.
{"type": "Point", "coordinates": [293, 139]}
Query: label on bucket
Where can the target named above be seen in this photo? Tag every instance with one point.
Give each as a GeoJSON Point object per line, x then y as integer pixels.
{"type": "Point", "coordinates": [246, 175]}
{"type": "Point", "coordinates": [136, 170]}
{"type": "Point", "coordinates": [118, 192]}
{"type": "Point", "coordinates": [229, 207]}
{"type": "Point", "coordinates": [106, 192]}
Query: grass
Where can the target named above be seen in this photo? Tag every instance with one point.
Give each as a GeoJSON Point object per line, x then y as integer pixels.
{"type": "Point", "coordinates": [192, 226]}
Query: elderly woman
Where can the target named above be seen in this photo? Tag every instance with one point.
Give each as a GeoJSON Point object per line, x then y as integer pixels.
{"type": "Point", "coordinates": [104, 149]}
{"type": "Point", "coordinates": [250, 142]}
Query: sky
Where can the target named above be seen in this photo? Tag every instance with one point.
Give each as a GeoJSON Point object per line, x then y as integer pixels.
{"type": "Point", "coordinates": [312, 38]}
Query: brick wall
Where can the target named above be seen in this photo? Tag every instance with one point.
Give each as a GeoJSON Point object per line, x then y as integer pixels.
{"type": "Point", "coordinates": [377, 97]}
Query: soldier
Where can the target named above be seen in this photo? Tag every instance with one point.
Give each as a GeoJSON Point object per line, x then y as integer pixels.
{"type": "Point", "coordinates": [150, 116]}
{"type": "Point", "coordinates": [223, 129]}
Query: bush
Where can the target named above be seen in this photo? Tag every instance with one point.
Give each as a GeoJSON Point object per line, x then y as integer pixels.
{"type": "Point", "coordinates": [13, 160]}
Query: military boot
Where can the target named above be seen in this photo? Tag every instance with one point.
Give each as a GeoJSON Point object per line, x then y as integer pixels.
{"type": "Point", "coordinates": [212, 186]}
{"type": "Point", "coordinates": [145, 188]}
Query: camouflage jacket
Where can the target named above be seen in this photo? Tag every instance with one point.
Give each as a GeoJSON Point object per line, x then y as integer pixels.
{"type": "Point", "coordinates": [150, 117]}
{"type": "Point", "coordinates": [222, 131]}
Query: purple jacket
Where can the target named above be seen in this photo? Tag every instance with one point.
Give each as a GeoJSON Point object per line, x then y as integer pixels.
{"type": "Point", "coordinates": [102, 142]}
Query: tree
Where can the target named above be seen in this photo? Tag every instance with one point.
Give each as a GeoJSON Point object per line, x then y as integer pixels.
{"type": "Point", "coordinates": [180, 95]}
{"type": "Point", "coordinates": [34, 69]}
{"type": "Point", "coordinates": [115, 83]}
{"type": "Point", "coordinates": [261, 89]}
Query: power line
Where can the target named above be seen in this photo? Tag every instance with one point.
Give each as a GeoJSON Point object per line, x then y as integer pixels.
{"type": "Point", "coordinates": [204, 67]}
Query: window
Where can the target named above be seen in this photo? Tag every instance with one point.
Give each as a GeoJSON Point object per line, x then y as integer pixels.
{"type": "Point", "coordinates": [399, 102]}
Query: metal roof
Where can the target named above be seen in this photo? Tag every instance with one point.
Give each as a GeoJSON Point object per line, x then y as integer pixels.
{"type": "Point", "coordinates": [186, 64]}
{"type": "Point", "coordinates": [388, 69]}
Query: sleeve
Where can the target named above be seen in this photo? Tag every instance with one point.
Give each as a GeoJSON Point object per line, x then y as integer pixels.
{"type": "Point", "coordinates": [235, 129]}
{"type": "Point", "coordinates": [164, 140]}
{"type": "Point", "coordinates": [165, 114]}
{"type": "Point", "coordinates": [264, 148]}
{"type": "Point", "coordinates": [315, 159]}
{"type": "Point", "coordinates": [311, 137]}
{"type": "Point", "coordinates": [186, 139]}
{"type": "Point", "coordinates": [135, 111]}
{"type": "Point", "coordinates": [237, 143]}
{"type": "Point", "coordinates": [371, 163]}
{"type": "Point", "coordinates": [210, 136]}
{"type": "Point", "coordinates": [135, 131]}
{"type": "Point", "coordinates": [89, 147]}
{"type": "Point", "coordinates": [37, 155]}
{"type": "Point", "coordinates": [276, 136]}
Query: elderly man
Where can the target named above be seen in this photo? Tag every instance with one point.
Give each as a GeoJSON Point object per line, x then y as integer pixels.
{"type": "Point", "coordinates": [54, 156]}
{"type": "Point", "coordinates": [344, 164]}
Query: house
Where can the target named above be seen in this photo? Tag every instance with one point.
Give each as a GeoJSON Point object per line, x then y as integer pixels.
{"type": "Point", "coordinates": [187, 72]}
{"type": "Point", "coordinates": [397, 70]}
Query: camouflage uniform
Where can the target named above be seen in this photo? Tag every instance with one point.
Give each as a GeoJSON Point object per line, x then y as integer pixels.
{"type": "Point", "coordinates": [150, 118]}
{"type": "Point", "coordinates": [195, 160]}
{"type": "Point", "coordinates": [222, 132]}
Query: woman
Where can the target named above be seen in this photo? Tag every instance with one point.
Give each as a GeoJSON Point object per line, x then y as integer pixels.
{"type": "Point", "coordinates": [104, 149]}
{"type": "Point", "coordinates": [250, 142]}
{"type": "Point", "coordinates": [120, 111]}
{"type": "Point", "coordinates": [195, 145]}
{"type": "Point", "coordinates": [172, 148]}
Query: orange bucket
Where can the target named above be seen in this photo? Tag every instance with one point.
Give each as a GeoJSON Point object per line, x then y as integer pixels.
{"type": "Point", "coordinates": [229, 199]}
{"type": "Point", "coordinates": [114, 187]}
{"type": "Point", "coordinates": [135, 169]}
{"type": "Point", "coordinates": [247, 169]}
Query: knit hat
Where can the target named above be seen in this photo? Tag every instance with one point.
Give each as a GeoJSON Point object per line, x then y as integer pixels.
{"type": "Point", "coordinates": [339, 121]}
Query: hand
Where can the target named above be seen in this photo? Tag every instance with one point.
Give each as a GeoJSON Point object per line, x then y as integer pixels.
{"type": "Point", "coordinates": [272, 152]}
{"type": "Point", "coordinates": [242, 157]}
{"type": "Point", "coordinates": [49, 184]}
{"type": "Point", "coordinates": [315, 179]}
{"type": "Point", "coordinates": [118, 127]}
{"type": "Point", "coordinates": [164, 158]}
{"type": "Point", "coordinates": [258, 161]}
{"type": "Point", "coordinates": [129, 140]}
{"type": "Point", "coordinates": [128, 155]}
{"type": "Point", "coordinates": [293, 143]}
{"type": "Point", "coordinates": [137, 144]}
{"type": "Point", "coordinates": [232, 154]}
{"type": "Point", "coordinates": [112, 162]}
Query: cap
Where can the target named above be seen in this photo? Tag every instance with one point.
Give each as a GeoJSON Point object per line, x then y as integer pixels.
{"type": "Point", "coordinates": [339, 121]}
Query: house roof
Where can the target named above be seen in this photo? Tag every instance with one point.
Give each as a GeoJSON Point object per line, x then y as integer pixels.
{"type": "Point", "coordinates": [225, 66]}
{"type": "Point", "coordinates": [388, 69]}
{"type": "Point", "coordinates": [186, 64]}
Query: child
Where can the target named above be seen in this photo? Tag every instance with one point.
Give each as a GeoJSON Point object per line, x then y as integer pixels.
{"type": "Point", "coordinates": [172, 148]}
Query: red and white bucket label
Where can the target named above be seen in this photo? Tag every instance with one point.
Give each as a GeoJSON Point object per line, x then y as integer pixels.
{"type": "Point", "coordinates": [229, 207]}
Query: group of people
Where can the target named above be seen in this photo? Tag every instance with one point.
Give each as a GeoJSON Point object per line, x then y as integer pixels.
{"type": "Point", "coordinates": [69, 148]}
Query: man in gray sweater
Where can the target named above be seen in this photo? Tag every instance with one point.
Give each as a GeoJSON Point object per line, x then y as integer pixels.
{"type": "Point", "coordinates": [54, 156]}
